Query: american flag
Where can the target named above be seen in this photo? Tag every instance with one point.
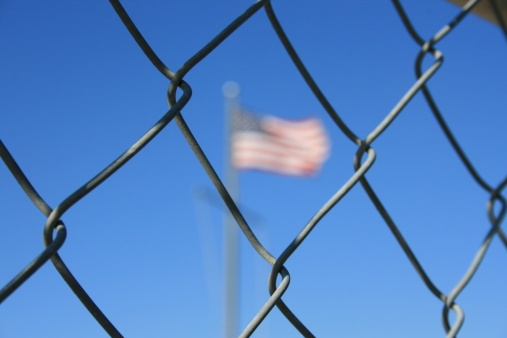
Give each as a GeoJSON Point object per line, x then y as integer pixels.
{"type": "Point", "coordinates": [287, 147]}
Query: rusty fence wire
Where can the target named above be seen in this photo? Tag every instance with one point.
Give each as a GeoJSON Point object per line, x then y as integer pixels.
{"type": "Point", "coordinates": [179, 93]}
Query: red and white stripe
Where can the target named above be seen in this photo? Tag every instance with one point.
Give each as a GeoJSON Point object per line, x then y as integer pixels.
{"type": "Point", "coordinates": [286, 147]}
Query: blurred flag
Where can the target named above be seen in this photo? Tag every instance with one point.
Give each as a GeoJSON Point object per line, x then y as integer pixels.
{"type": "Point", "coordinates": [287, 147]}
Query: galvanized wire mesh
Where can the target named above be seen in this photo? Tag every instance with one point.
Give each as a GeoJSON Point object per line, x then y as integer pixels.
{"type": "Point", "coordinates": [55, 230]}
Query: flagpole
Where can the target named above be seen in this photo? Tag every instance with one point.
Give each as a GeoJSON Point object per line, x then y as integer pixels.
{"type": "Point", "coordinates": [231, 234]}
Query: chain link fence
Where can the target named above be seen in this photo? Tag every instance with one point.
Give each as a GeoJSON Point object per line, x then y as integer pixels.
{"type": "Point", "coordinates": [179, 94]}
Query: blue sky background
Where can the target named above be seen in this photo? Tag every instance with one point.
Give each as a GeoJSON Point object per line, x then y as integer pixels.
{"type": "Point", "coordinates": [76, 91]}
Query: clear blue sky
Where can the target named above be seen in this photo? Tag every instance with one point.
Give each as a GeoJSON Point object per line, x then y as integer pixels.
{"type": "Point", "coordinates": [76, 91]}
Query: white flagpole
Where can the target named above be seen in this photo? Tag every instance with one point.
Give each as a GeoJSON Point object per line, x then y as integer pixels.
{"type": "Point", "coordinates": [231, 232]}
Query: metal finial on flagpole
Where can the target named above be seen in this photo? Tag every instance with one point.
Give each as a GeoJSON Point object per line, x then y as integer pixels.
{"type": "Point", "coordinates": [230, 90]}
